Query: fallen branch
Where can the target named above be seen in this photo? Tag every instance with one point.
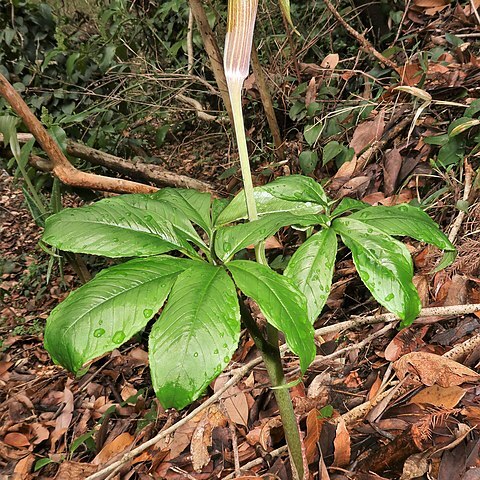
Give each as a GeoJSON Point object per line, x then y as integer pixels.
{"type": "Point", "coordinates": [151, 173]}
{"type": "Point", "coordinates": [239, 373]}
{"type": "Point", "coordinates": [61, 167]}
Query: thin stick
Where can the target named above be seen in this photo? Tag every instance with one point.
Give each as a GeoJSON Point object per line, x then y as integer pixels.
{"type": "Point", "coordinates": [213, 52]}
{"type": "Point", "coordinates": [62, 168]}
{"type": "Point", "coordinates": [360, 411]}
{"type": "Point", "coordinates": [474, 10]}
{"type": "Point", "coordinates": [466, 194]}
{"type": "Point", "coordinates": [258, 461]}
{"type": "Point", "coordinates": [360, 38]}
{"type": "Point", "coordinates": [267, 104]}
{"type": "Point", "coordinates": [190, 42]}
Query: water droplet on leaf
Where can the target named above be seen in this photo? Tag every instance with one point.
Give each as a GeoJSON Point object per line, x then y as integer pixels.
{"type": "Point", "coordinates": [118, 337]}
{"type": "Point", "coordinates": [227, 246]}
{"type": "Point", "coordinates": [99, 332]}
{"type": "Point", "coordinates": [148, 312]}
{"type": "Point", "coordinates": [389, 297]}
{"type": "Point", "coordinates": [195, 354]}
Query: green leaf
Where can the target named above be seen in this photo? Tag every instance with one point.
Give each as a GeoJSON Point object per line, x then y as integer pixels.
{"type": "Point", "coordinates": [384, 265]}
{"type": "Point", "coordinates": [311, 269]}
{"type": "Point", "coordinates": [452, 152]}
{"type": "Point", "coordinates": [42, 462]}
{"type": "Point", "coordinates": [308, 161]}
{"type": "Point", "coordinates": [176, 211]}
{"type": "Point", "coordinates": [267, 203]}
{"type": "Point", "coordinates": [297, 188]}
{"type": "Point", "coordinates": [195, 336]}
{"type": "Point", "coordinates": [109, 310]}
{"type": "Point", "coordinates": [472, 109]}
{"type": "Point", "coordinates": [232, 239]}
{"type": "Point", "coordinates": [195, 205]}
{"type": "Point", "coordinates": [285, 7]}
{"type": "Point", "coordinates": [115, 227]}
{"type": "Point", "coordinates": [331, 150]}
{"type": "Point", "coordinates": [311, 133]}
{"type": "Point", "coordinates": [408, 221]}
{"type": "Point", "coordinates": [283, 305]}
{"type": "Point", "coordinates": [348, 205]}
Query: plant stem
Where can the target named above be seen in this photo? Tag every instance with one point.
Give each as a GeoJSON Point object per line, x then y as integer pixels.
{"type": "Point", "coordinates": [269, 348]}
{"type": "Point", "coordinates": [270, 352]}
{"type": "Point", "coordinates": [235, 89]}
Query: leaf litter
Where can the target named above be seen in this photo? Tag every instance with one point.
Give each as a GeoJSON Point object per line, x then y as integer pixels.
{"type": "Point", "coordinates": [55, 426]}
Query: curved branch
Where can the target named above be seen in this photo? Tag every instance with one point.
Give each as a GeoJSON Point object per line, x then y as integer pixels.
{"type": "Point", "coordinates": [62, 168]}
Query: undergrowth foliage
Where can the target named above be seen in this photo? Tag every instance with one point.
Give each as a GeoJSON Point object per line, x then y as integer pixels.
{"type": "Point", "coordinates": [197, 332]}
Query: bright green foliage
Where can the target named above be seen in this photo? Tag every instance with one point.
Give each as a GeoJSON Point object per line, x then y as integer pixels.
{"type": "Point", "coordinates": [109, 309]}
{"type": "Point", "coordinates": [281, 303]}
{"type": "Point", "coordinates": [311, 269]}
{"type": "Point", "coordinates": [196, 334]}
{"type": "Point", "coordinates": [384, 265]}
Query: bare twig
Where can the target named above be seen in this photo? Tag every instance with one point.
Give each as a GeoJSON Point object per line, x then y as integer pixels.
{"type": "Point", "coordinates": [201, 114]}
{"type": "Point", "coordinates": [474, 10]}
{"type": "Point", "coordinates": [360, 38]}
{"type": "Point", "coordinates": [190, 42]}
{"type": "Point", "coordinates": [267, 104]}
{"type": "Point", "coordinates": [259, 461]}
{"type": "Point", "coordinates": [466, 194]}
{"type": "Point", "coordinates": [62, 168]}
{"type": "Point", "coordinates": [401, 124]}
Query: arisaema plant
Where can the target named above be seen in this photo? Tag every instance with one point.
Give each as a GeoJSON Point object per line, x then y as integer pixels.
{"type": "Point", "coordinates": [179, 268]}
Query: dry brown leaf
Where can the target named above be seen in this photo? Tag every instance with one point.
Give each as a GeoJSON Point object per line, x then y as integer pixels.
{"type": "Point", "coordinates": [415, 466]}
{"type": "Point", "coordinates": [15, 439]}
{"type": "Point", "coordinates": [341, 444]}
{"type": "Point", "coordinates": [354, 187]}
{"type": "Point", "coordinates": [64, 419]}
{"type": "Point", "coordinates": [119, 444]}
{"type": "Point", "coordinates": [372, 393]}
{"type": "Point", "coordinates": [23, 468]}
{"type": "Point", "coordinates": [314, 429]}
{"type": "Point", "coordinates": [262, 434]}
{"type": "Point", "coordinates": [234, 401]}
{"type": "Point", "coordinates": [447, 397]}
{"type": "Point", "coordinates": [311, 93]}
{"type": "Point", "coordinates": [330, 61]}
{"type": "Point", "coordinates": [75, 471]}
{"type": "Point", "coordinates": [430, 3]}
{"type": "Point", "coordinates": [40, 433]}
{"type": "Point", "coordinates": [368, 132]}
{"type": "Point", "coordinates": [271, 243]}
{"type": "Point", "coordinates": [433, 369]}
{"type": "Point", "coordinates": [404, 342]}
{"type": "Point", "coordinates": [202, 437]}
{"type": "Point", "coordinates": [345, 171]}
{"type": "Point", "coordinates": [391, 168]}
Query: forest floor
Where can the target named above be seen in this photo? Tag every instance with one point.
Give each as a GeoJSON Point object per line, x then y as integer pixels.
{"type": "Point", "coordinates": [377, 403]}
